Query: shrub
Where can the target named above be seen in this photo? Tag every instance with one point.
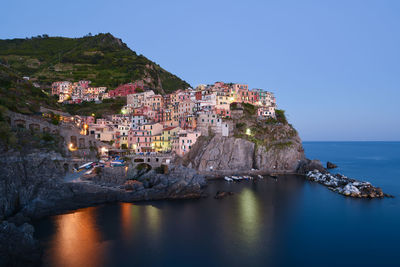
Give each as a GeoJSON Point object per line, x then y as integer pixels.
{"type": "Point", "coordinates": [249, 108]}
{"type": "Point", "coordinates": [280, 116]}
{"type": "Point", "coordinates": [55, 121]}
{"type": "Point", "coordinates": [47, 137]}
{"type": "Point", "coordinates": [240, 125]}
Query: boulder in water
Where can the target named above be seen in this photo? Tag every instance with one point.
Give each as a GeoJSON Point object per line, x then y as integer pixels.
{"type": "Point", "coordinates": [330, 165]}
{"type": "Point", "coordinates": [222, 194]}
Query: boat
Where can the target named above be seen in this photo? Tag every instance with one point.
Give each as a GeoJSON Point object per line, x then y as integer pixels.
{"type": "Point", "coordinates": [89, 171]}
{"type": "Point", "coordinates": [228, 179]}
{"type": "Point", "coordinates": [236, 178]}
{"type": "Point", "coordinates": [117, 163]}
{"type": "Point", "coordinates": [85, 166]}
{"type": "Point", "coordinates": [260, 176]}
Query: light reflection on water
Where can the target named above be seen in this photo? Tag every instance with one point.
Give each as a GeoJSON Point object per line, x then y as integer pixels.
{"type": "Point", "coordinates": [152, 215]}
{"type": "Point", "coordinates": [249, 217]}
{"type": "Point", "coordinates": [127, 221]}
{"type": "Point", "coordinates": [78, 241]}
{"type": "Point", "coordinates": [241, 225]}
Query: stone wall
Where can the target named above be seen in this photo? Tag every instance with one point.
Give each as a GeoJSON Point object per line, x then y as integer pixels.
{"type": "Point", "coordinates": [68, 132]}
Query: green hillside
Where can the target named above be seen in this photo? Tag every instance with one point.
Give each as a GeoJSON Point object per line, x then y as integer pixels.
{"type": "Point", "coordinates": [21, 96]}
{"type": "Point", "coordinates": [103, 59]}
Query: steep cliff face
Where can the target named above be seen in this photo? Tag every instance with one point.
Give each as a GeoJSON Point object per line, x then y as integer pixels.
{"type": "Point", "coordinates": [221, 153]}
{"type": "Point", "coordinates": [23, 178]}
{"type": "Point", "coordinates": [280, 157]}
{"type": "Point", "coordinates": [271, 148]}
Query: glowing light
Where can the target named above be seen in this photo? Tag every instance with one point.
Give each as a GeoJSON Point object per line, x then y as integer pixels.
{"type": "Point", "coordinates": [85, 126]}
{"type": "Point", "coordinates": [104, 150]}
{"type": "Point", "coordinates": [71, 147]}
{"type": "Point", "coordinates": [93, 114]}
{"type": "Point", "coordinates": [248, 131]}
{"type": "Point", "coordinates": [123, 111]}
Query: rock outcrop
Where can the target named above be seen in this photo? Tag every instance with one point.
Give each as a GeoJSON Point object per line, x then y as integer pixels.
{"type": "Point", "coordinates": [330, 165]}
{"type": "Point", "coordinates": [23, 178]}
{"type": "Point", "coordinates": [17, 245]}
{"type": "Point", "coordinates": [307, 165]}
{"type": "Point", "coordinates": [226, 155]}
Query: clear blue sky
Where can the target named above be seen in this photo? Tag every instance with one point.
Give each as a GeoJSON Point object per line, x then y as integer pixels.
{"type": "Point", "coordinates": [333, 65]}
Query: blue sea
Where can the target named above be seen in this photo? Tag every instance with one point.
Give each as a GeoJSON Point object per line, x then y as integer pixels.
{"type": "Point", "coordinates": [283, 222]}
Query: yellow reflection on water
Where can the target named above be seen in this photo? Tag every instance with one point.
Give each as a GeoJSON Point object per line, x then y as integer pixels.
{"type": "Point", "coordinates": [249, 217]}
{"type": "Point", "coordinates": [78, 241]}
{"type": "Point", "coordinates": [153, 218]}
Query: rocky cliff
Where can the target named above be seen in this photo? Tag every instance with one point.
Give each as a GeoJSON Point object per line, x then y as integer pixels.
{"type": "Point", "coordinates": [24, 177]}
{"type": "Point", "coordinates": [17, 245]}
{"type": "Point", "coordinates": [271, 148]}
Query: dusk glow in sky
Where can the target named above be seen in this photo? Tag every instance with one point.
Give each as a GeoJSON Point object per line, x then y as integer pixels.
{"type": "Point", "coordinates": [334, 66]}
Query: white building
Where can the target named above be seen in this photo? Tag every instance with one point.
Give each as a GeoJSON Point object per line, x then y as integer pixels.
{"type": "Point", "coordinates": [210, 121]}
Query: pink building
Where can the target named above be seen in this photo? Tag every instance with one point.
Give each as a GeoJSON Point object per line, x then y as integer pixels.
{"type": "Point", "coordinates": [140, 140]}
{"type": "Point", "coordinates": [84, 84]}
{"type": "Point", "coordinates": [222, 112]}
{"type": "Point", "coordinates": [126, 89]}
{"type": "Point", "coordinates": [185, 141]}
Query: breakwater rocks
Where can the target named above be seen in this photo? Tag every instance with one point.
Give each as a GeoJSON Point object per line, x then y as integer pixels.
{"type": "Point", "coordinates": [346, 186]}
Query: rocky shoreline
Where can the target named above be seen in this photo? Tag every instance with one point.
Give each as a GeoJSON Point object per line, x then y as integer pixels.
{"type": "Point", "coordinates": [346, 186]}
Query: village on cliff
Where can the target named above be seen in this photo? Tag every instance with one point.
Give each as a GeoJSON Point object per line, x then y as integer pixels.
{"type": "Point", "coordinates": [154, 123]}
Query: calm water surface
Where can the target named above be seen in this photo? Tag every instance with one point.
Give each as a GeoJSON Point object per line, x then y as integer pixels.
{"type": "Point", "coordinates": [289, 222]}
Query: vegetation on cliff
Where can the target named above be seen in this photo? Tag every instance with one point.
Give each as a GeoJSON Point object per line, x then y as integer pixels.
{"type": "Point", "coordinates": [103, 59]}
{"type": "Point", "coordinates": [269, 133]}
{"type": "Point", "coordinates": [107, 107]}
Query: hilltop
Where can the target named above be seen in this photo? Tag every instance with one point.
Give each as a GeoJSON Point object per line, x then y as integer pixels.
{"type": "Point", "coordinates": [103, 59]}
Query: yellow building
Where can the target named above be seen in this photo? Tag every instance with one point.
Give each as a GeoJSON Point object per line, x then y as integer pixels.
{"type": "Point", "coordinates": [159, 144]}
{"type": "Point", "coordinates": [163, 142]}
